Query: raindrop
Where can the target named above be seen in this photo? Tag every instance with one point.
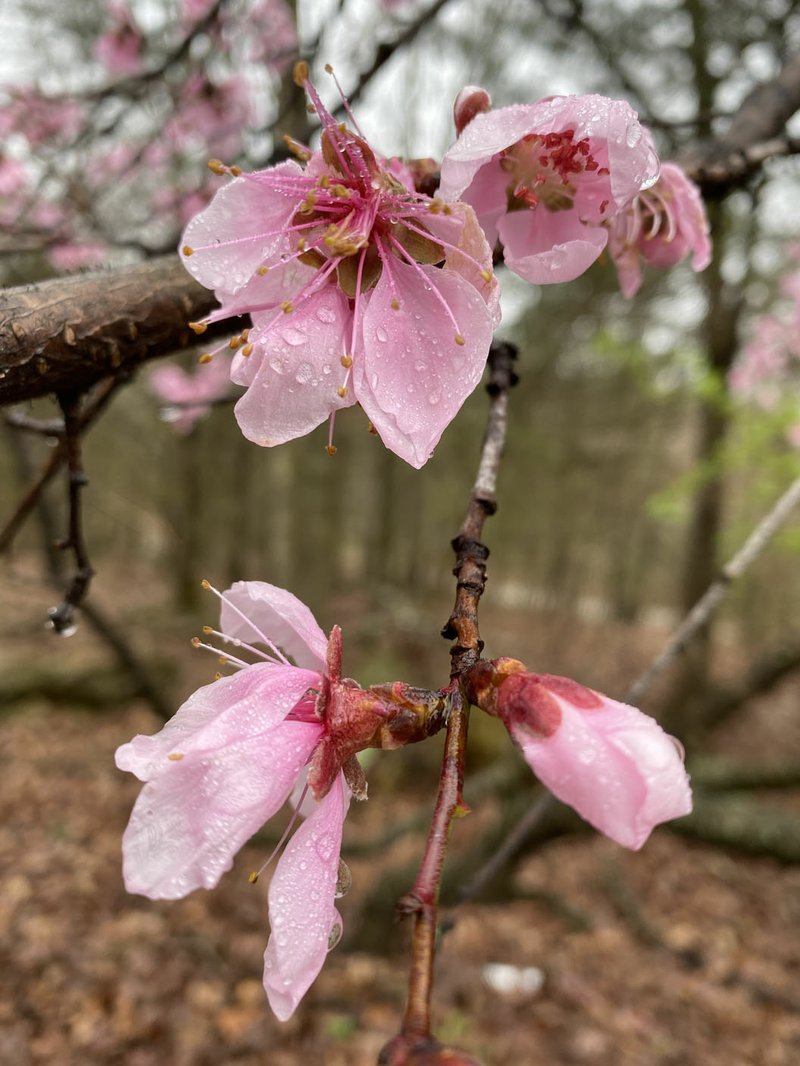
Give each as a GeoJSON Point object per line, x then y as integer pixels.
{"type": "Point", "coordinates": [335, 935]}
{"type": "Point", "coordinates": [327, 368]}
{"type": "Point", "coordinates": [434, 398]}
{"type": "Point", "coordinates": [326, 315]}
{"type": "Point", "coordinates": [304, 374]}
{"type": "Point", "coordinates": [381, 334]}
{"type": "Point", "coordinates": [344, 880]}
{"type": "Point", "coordinates": [294, 336]}
{"type": "Point", "coordinates": [634, 135]}
{"type": "Point", "coordinates": [277, 365]}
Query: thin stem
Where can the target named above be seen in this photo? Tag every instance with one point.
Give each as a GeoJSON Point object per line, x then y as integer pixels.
{"type": "Point", "coordinates": [699, 615]}
{"type": "Point", "coordinates": [62, 617]}
{"type": "Point", "coordinates": [462, 626]}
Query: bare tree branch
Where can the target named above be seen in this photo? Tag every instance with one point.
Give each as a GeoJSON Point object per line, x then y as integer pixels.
{"type": "Point", "coordinates": [70, 332]}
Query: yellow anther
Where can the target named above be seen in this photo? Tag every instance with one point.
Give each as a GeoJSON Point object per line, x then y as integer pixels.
{"type": "Point", "coordinates": [325, 181]}
{"type": "Point", "coordinates": [342, 127]}
{"type": "Point", "coordinates": [262, 270]}
{"type": "Point", "coordinates": [394, 303]}
{"type": "Point", "coordinates": [447, 209]}
{"type": "Point", "coordinates": [340, 190]}
{"type": "Point", "coordinates": [195, 642]}
{"type": "Point", "coordinates": [342, 390]}
{"type": "Point", "coordinates": [486, 275]}
{"type": "Point", "coordinates": [217, 675]}
{"type": "Point", "coordinates": [253, 877]}
{"type": "Point", "coordinates": [245, 334]}
{"type": "Point", "coordinates": [216, 166]}
{"type": "Point", "coordinates": [346, 361]}
{"type": "Point", "coordinates": [198, 327]}
{"type": "Point", "coordinates": [247, 350]}
{"type": "Point", "coordinates": [287, 307]}
{"type": "Point", "coordinates": [207, 630]}
{"type": "Point", "coordinates": [330, 449]}
{"type": "Point", "coordinates": [187, 250]}
{"type": "Point", "coordinates": [234, 343]}
{"type": "Point", "coordinates": [459, 340]}
{"type": "Point", "coordinates": [371, 429]}
{"type": "Point", "coordinates": [222, 660]}
{"type": "Point", "coordinates": [310, 109]}
{"type": "Point", "coordinates": [176, 756]}
{"type": "Point", "coordinates": [205, 584]}
{"type": "Point", "coordinates": [328, 68]}
{"type": "Point", "coordinates": [435, 207]}
{"type": "Point", "coordinates": [300, 73]}
{"type": "Point", "coordinates": [206, 357]}
{"type": "Point", "coordinates": [302, 244]}
{"type": "Point", "coordinates": [235, 171]}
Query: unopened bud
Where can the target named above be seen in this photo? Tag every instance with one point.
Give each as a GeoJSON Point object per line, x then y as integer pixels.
{"type": "Point", "coordinates": [471, 101]}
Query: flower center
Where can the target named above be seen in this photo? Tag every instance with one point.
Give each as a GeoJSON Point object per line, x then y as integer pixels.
{"type": "Point", "coordinates": [543, 168]}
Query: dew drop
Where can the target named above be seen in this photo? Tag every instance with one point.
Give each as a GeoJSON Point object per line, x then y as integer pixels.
{"type": "Point", "coordinates": [335, 935]}
{"type": "Point", "coordinates": [434, 398]}
{"type": "Point", "coordinates": [277, 365]}
{"type": "Point", "coordinates": [293, 336]}
{"type": "Point", "coordinates": [344, 880]}
{"type": "Point", "coordinates": [304, 374]}
{"type": "Point", "coordinates": [326, 315]}
{"type": "Point", "coordinates": [381, 334]}
{"type": "Point", "coordinates": [634, 135]}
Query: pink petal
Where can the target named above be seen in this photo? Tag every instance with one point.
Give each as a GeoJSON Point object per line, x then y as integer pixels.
{"type": "Point", "coordinates": [412, 377]}
{"type": "Point", "coordinates": [545, 246]}
{"type": "Point", "coordinates": [462, 229]}
{"type": "Point", "coordinates": [280, 616]}
{"type": "Point", "coordinates": [190, 820]}
{"type": "Point", "coordinates": [298, 370]}
{"type": "Point", "coordinates": [301, 903]}
{"type": "Point", "coordinates": [615, 766]}
{"type": "Point", "coordinates": [225, 237]}
{"type": "Point", "coordinates": [231, 709]}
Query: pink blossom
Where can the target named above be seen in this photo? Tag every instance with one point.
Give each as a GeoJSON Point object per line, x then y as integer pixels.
{"type": "Point", "coordinates": [662, 225]}
{"type": "Point", "coordinates": [119, 49]}
{"type": "Point", "coordinates": [616, 766]}
{"type": "Point", "coordinates": [13, 176]}
{"type": "Point", "coordinates": [73, 255]}
{"type": "Point", "coordinates": [192, 393]}
{"type": "Point", "coordinates": [40, 119]}
{"type": "Point", "coordinates": [360, 290]}
{"type": "Point", "coordinates": [543, 177]}
{"type": "Point", "coordinates": [229, 760]}
{"type": "Point", "coordinates": [239, 748]}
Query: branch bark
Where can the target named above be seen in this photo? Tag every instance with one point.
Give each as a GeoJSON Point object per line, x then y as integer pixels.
{"type": "Point", "coordinates": [67, 333]}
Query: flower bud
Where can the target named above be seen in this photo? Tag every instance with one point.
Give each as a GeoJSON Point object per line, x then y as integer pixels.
{"type": "Point", "coordinates": [616, 766]}
{"type": "Point", "coordinates": [471, 101]}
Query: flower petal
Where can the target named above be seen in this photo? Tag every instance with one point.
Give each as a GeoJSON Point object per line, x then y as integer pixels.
{"type": "Point", "coordinates": [616, 766]}
{"type": "Point", "coordinates": [412, 376]}
{"type": "Point", "coordinates": [544, 247]}
{"type": "Point", "coordinates": [231, 709]}
{"type": "Point", "coordinates": [192, 818]}
{"type": "Point", "coordinates": [278, 615]}
{"type": "Point", "coordinates": [297, 370]}
{"type": "Point", "coordinates": [226, 246]}
{"type": "Point", "coordinates": [301, 903]}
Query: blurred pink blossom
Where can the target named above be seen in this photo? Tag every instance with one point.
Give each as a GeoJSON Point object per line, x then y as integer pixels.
{"type": "Point", "coordinates": [13, 176]}
{"type": "Point", "coordinates": [119, 49]}
{"type": "Point", "coordinates": [616, 766]}
{"type": "Point", "coordinates": [192, 393]}
{"type": "Point", "coordinates": [405, 338]}
{"type": "Point", "coordinates": [543, 177]}
{"type": "Point", "coordinates": [40, 119]}
{"type": "Point", "coordinates": [662, 225]}
{"type": "Point", "coordinates": [73, 255]}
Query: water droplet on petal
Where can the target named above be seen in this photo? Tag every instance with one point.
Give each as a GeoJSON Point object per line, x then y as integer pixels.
{"type": "Point", "coordinates": [277, 365]}
{"type": "Point", "coordinates": [434, 398]}
{"type": "Point", "coordinates": [335, 935]}
{"type": "Point", "coordinates": [293, 336]}
{"type": "Point", "coordinates": [634, 135]}
{"type": "Point", "coordinates": [304, 373]}
{"type": "Point", "coordinates": [381, 334]}
{"type": "Point", "coordinates": [344, 880]}
{"type": "Point", "coordinates": [326, 314]}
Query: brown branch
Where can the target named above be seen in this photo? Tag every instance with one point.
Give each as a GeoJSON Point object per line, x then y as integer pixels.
{"type": "Point", "coordinates": [92, 407]}
{"type": "Point", "coordinates": [70, 332]}
{"type": "Point", "coordinates": [470, 572]}
{"type": "Point", "coordinates": [762, 676]}
{"type": "Point", "coordinates": [62, 618]}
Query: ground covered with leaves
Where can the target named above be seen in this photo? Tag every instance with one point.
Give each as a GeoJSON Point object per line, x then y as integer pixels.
{"type": "Point", "coordinates": [679, 954]}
